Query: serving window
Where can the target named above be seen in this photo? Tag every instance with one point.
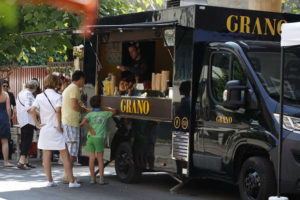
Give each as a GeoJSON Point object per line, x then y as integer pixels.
{"type": "Point", "coordinates": [135, 63]}
{"type": "Point", "coordinates": [137, 74]}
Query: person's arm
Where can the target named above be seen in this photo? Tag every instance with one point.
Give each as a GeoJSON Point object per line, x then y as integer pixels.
{"type": "Point", "coordinates": [28, 101]}
{"type": "Point", "coordinates": [114, 111]}
{"type": "Point", "coordinates": [128, 68]}
{"type": "Point", "coordinates": [131, 69]}
{"type": "Point", "coordinates": [12, 99]}
{"type": "Point", "coordinates": [74, 97]}
{"type": "Point", "coordinates": [33, 113]}
{"type": "Point", "coordinates": [13, 104]}
{"type": "Point", "coordinates": [75, 106]}
{"type": "Point", "coordinates": [58, 116]}
{"type": "Point", "coordinates": [8, 109]}
{"type": "Point", "coordinates": [86, 124]}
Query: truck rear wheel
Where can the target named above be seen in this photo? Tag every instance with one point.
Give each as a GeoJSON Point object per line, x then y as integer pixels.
{"type": "Point", "coordinates": [126, 170]}
{"type": "Point", "coordinates": [256, 179]}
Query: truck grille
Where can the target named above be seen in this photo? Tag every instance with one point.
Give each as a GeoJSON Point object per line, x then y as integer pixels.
{"type": "Point", "coordinates": [180, 146]}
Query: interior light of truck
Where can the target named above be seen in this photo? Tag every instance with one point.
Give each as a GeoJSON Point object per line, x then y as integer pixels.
{"type": "Point", "coordinates": [289, 123]}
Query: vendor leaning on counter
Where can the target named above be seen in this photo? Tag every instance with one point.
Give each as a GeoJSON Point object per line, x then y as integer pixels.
{"type": "Point", "coordinates": [138, 71]}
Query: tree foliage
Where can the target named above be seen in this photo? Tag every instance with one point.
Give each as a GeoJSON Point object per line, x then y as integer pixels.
{"type": "Point", "coordinates": [292, 6]}
{"type": "Point", "coordinates": [35, 50]}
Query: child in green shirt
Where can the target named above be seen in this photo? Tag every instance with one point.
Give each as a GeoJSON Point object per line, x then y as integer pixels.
{"type": "Point", "coordinates": [95, 121]}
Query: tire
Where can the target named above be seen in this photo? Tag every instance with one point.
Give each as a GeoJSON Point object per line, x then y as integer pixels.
{"type": "Point", "coordinates": [257, 179]}
{"type": "Point", "coordinates": [126, 170]}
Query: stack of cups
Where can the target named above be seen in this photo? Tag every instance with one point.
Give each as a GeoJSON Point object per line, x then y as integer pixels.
{"type": "Point", "coordinates": [164, 79]}
{"type": "Point", "coordinates": [160, 80]}
{"type": "Point", "coordinates": [113, 84]}
{"type": "Point", "coordinates": [153, 85]}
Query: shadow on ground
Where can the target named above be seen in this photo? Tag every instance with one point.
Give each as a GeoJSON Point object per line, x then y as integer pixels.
{"type": "Point", "coordinates": [28, 185]}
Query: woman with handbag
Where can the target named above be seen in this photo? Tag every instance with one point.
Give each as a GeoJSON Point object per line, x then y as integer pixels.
{"type": "Point", "coordinates": [51, 136]}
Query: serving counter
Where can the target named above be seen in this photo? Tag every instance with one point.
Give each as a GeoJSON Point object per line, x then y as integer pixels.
{"type": "Point", "coordinates": [147, 108]}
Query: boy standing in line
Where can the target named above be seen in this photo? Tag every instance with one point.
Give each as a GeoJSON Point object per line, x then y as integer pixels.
{"type": "Point", "coordinates": [95, 121]}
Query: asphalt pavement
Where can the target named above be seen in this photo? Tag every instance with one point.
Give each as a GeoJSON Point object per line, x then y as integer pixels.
{"type": "Point", "coordinates": [18, 184]}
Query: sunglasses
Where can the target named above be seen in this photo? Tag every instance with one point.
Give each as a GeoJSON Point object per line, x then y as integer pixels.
{"type": "Point", "coordinates": [5, 86]}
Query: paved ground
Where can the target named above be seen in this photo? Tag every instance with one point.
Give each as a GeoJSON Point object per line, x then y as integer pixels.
{"type": "Point", "coordinates": [30, 185]}
{"type": "Point", "coordinates": [18, 184]}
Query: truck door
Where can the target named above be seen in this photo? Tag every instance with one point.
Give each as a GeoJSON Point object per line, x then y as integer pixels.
{"type": "Point", "coordinates": [217, 124]}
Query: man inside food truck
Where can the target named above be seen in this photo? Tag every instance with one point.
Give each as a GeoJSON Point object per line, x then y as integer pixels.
{"type": "Point", "coordinates": [138, 71]}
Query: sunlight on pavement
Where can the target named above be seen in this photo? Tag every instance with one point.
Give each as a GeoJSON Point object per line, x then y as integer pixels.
{"type": "Point", "coordinates": [13, 179]}
{"type": "Point", "coordinates": [6, 186]}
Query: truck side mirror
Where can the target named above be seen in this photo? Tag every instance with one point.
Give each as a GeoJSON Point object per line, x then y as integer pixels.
{"type": "Point", "coordinates": [234, 94]}
{"type": "Point", "coordinates": [251, 100]}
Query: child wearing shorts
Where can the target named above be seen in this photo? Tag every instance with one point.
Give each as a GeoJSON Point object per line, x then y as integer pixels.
{"type": "Point", "coordinates": [95, 121]}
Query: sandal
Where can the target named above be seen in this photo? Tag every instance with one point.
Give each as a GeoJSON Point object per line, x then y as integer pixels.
{"type": "Point", "coordinates": [23, 166]}
{"type": "Point", "coordinates": [93, 181]}
{"type": "Point", "coordinates": [30, 165]}
{"type": "Point", "coordinates": [102, 181]}
{"type": "Point", "coordinates": [65, 180]}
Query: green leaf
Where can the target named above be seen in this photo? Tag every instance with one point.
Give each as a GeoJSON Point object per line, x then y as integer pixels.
{"type": "Point", "coordinates": [28, 17]}
{"type": "Point", "coordinates": [36, 50]}
{"type": "Point", "coordinates": [33, 49]}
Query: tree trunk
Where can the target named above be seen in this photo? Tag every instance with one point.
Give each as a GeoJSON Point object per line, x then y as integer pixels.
{"type": "Point", "coordinates": [266, 5]}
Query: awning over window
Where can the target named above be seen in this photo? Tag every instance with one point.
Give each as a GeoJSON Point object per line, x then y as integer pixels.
{"type": "Point", "coordinates": [290, 34]}
{"type": "Point", "coordinates": [99, 28]}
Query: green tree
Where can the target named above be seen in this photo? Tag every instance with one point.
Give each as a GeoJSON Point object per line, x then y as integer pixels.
{"type": "Point", "coordinates": [36, 50]}
{"type": "Point", "coordinates": [292, 6]}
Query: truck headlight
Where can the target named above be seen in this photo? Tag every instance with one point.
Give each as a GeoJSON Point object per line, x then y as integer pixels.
{"type": "Point", "coordinates": [289, 123]}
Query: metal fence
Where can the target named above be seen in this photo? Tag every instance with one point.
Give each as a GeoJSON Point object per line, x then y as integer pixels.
{"type": "Point", "coordinates": [19, 77]}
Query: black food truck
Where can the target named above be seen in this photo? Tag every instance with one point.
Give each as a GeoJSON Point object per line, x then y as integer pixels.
{"type": "Point", "coordinates": [197, 91]}
{"type": "Point", "coordinates": [216, 112]}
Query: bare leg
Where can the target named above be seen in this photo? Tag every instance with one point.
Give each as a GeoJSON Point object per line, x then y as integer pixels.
{"type": "Point", "coordinates": [22, 159]}
{"type": "Point", "coordinates": [47, 164]}
{"type": "Point", "coordinates": [69, 160]}
{"type": "Point", "coordinates": [4, 143]}
{"type": "Point", "coordinates": [92, 164]}
{"type": "Point", "coordinates": [100, 164]}
{"type": "Point", "coordinates": [67, 165]}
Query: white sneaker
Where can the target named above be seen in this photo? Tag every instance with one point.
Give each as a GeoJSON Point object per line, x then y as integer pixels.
{"type": "Point", "coordinates": [74, 185]}
{"type": "Point", "coordinates": [51, 184]}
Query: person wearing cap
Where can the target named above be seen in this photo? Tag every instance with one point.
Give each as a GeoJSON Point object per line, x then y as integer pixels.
{"type": "Point", "coordinates": [12, 100]}
{"type": "Point", "coordinates": [24, 103]}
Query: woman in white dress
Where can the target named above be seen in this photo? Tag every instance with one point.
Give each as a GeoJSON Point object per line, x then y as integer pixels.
{"type": "Point", "coordinates": [51, 136]}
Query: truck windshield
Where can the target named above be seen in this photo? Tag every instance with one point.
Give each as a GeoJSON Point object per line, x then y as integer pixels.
{"type": "Point", "coordinates": [266, 64]}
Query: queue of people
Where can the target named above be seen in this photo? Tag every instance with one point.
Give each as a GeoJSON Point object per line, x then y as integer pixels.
{"type": "Point", "coordinates": [58, 117]}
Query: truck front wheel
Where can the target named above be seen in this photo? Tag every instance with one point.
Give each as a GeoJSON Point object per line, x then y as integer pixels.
{"type": "Point", "coordinates": [125, 167]}
{"type": "Point", "coordinates": [256, 179]}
